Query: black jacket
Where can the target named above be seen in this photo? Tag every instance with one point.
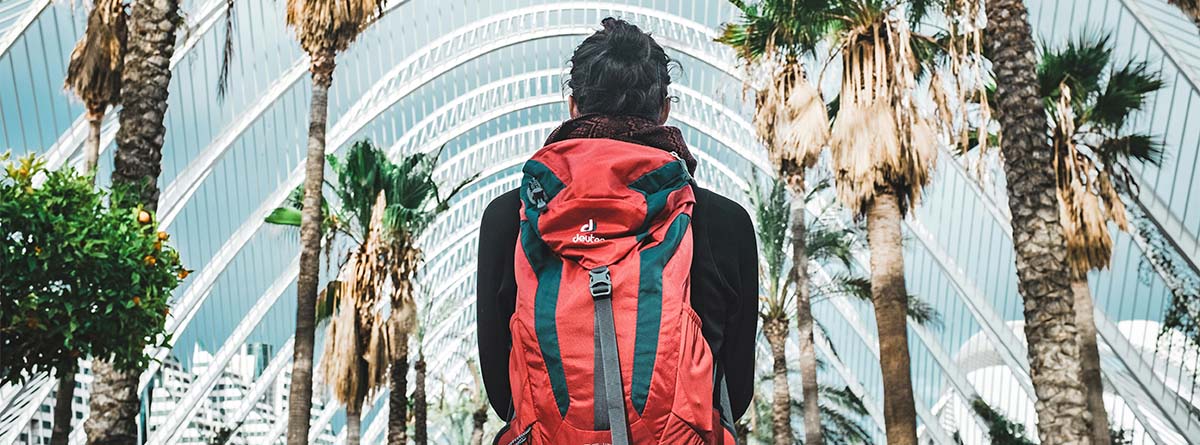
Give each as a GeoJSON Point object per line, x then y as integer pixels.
{"type": "Point", "coordinates": [724, 291]}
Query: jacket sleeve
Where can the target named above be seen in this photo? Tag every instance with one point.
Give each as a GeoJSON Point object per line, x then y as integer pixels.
{"type": "Point", "coordinates": [742, 326]}
{"type": "Point", "coordinates": [496, 295]}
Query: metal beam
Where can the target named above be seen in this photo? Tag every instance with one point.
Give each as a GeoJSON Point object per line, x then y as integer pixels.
{"type": "Point", "coordinates": [1010, 347]}
{"type": "Point", "coordinates": [73, 139]}
{"type": "Point", "coordinates": [282, 359]}
{"type": "Point", "coordinates": [199, 389]}
{"type": "Point", "coordinates": [1164, 44]}
{"type": "Point", "coordinates": [27, 18]}
{"type": "Point", "coordinates": [1116, 342]}
{"type": "Point", "coordinates": [24, 405]}
{"type": "Point", "coordinates": [1162, 401]}
{"type": "Point", "coordinates": [404, 79]}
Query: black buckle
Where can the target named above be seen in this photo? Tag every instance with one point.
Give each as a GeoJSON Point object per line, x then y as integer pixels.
{"type": "Point", "coordinates": [537, 194]}
{"type": "Point", "coordinates": [600, 282]}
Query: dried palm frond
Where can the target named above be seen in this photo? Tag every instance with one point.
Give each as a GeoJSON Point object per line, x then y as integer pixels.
{"type": "Point", "coordinates": [1084, 216]}
{"type": "Point", "coordinates": [94, 70]}
{"type": "Point", "coordinates": [965, 23]}
{"type": "Point", "coordinates": [352, 364]}
{"type": "Point", "coordinates": [880, 140]}
{"type": "Point", "coordinates": [341, 362]}
{"type": "Point", "coordinates": [1088, 110]}
{"type": "Point", "coordinates": [404, 258]}
{"type": "Point", "coordinates": [802, 126]}
{"type": "Point", "coordinates": [325, 27]}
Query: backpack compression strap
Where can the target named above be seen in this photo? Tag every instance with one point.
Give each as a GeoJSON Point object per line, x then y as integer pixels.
{"type": "Point", "coordinates": [613, 393]}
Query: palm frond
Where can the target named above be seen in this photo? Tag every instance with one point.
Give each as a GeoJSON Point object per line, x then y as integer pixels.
{"type": "Point", "coordinates": [284, 216]}
{"type": "Point", "coordinates": [327, 301]}
{"type": "Point", "coordinates": [361, 176]}
{"type": "Point", "coordinates": [789, 27]}
{"type": "Point", "coordinates": [842, 413]}
{"type": "Point", "coordinates": [1125, 93]}
{"type": "Point", "coordinates": [1000, 428]}
{"type": "Point", "coordinates": [826, 243]}
{"type": "Point", "coordinates": [323, 26]}
{"type": "Point", "coordinates": [773, 211]}
{"type": "Point", "coordinates": [1079, 65]}
{"type": "Point", "coordinates": [226, 52]}
{"type": "Point", "coordinates": [94, 69]}
{"type": "Point", "coordinates": [1143, 147]}
{"type": "Point", "coordinates": [845, 285]}
{"type": "Point", "coordinates": [923, 313]}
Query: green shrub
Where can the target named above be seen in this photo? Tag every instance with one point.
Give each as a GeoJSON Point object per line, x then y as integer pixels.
{"type": "Point", "coordinates": [78, 276]}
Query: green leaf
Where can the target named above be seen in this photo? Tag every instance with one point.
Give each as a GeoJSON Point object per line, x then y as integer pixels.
{"type": "Point", "coordinates": [285, 216]}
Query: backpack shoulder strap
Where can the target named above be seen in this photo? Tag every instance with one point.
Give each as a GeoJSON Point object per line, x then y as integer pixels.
{"type": "Point", "coordinates": [613, 392]}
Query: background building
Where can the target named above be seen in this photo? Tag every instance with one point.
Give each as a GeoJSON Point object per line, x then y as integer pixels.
{"type": "Point", "coordinates": [485, 80]}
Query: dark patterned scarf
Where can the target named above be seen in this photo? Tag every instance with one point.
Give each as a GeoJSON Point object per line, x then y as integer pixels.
{"type": "Point", "coordinates": [633, 129]}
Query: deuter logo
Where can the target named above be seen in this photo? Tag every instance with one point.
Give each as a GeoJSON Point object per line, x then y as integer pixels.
{"type": "Point", "coordinates": [585, 236]}
{"type": "Point", "coordinates": [587, 239]}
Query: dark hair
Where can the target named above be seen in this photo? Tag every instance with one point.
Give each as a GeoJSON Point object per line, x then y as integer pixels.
{"type": "Point", "coordinates": [620, 70]}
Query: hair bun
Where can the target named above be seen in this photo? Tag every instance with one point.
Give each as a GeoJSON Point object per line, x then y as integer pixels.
{"type": "Point", "coordinates": [625, 41]}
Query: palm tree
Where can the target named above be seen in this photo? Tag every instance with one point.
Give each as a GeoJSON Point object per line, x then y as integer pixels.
{"type": "Point", "coordinates": [882, 150]}
{"type": "Point", "coordinates": [1042, 269]}
{"type": "Point", "coordinates": [771, 208]}
{"type": "Point", "coordinates": [145, 77]}
{"type": "Point", "coordinates": [94, 70]}
{"type": "Point", "coordinates": [790, 118]}
{"type": "Point", "coordinates": [323, 28]}
{"type": "Point", "coordinates": [1088, 111]}
{"type": "Point", "coordinates": [94, 74]}
{"type": "Point", "coordinates": [382, 208]}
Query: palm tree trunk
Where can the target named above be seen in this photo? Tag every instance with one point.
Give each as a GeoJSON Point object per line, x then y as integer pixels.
{"type": "Point", "coordinates": [1045, 283]}
{"type": "Point", "coordinates": [146, 77]}
{"type": "Point", "coordinates": [92, 150]}
{"type": "Point", "coordinates": [353, 424]}
{"type": "Point", "coordinates": [804, 320]}
{"type": "Point", "coordinates": [1089, 360]}
{"type": "Point", "coordinates": [890, 298]}
{"type": "Point", "coordinates": [114, 406]}
{"type": "Point", "coordinates": [479, 418]}
{"type": "Point", "coordinates": [420, 405]}
{"type": "Point", "coordinates": [63, 409]}
{"type": "Point", "coordinates": [398, 399]}
{"type": "Point", "coordinates": [781, 399]}
{"type": "Point", "coordinates": [300, 399]}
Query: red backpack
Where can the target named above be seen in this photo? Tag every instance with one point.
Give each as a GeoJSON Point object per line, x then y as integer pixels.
{"type": "Point", "coordinates": [606, 348]}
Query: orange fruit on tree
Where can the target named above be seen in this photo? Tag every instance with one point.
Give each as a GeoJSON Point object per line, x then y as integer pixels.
{"type": "Point", "coordinates": [150, 260]}
{"type": "Point", "coordinates": [183, 274]}
{"type": "Point", "coordinates": [137, 300]}
{"type": "Point", "coordinates": [162, 236]}
{"type": "Point", "coordinates": [143, 217]}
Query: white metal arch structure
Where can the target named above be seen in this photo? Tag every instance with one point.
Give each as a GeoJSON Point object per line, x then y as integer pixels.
{"type": "Point", "coordinates": [179, 191]}
{"type": "Point", "coordinates": [436, 59]}
{"type": "Point", "coordinates": [22, 22]}
{"type": "Point", "coordinates": [488, 93]}
{"type": "Point", "coordinates": [73, 140]}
